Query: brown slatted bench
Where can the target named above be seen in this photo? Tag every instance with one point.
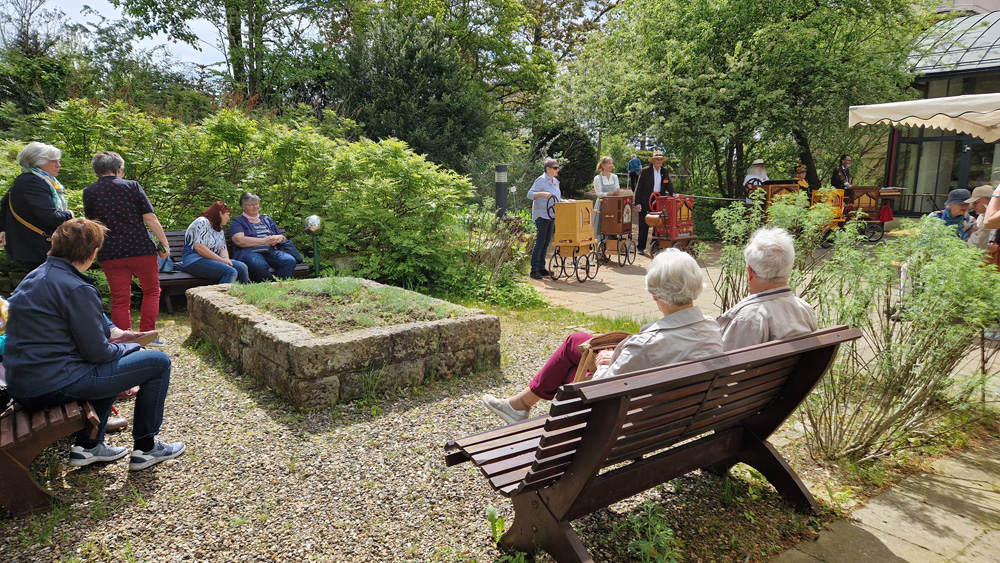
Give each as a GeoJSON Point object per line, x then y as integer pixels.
{"type": "Point", "coordinates": [604, 441]}
{"type": "Point", "coordinates": [23, 435]}
{"type": "Point", "coordinates": [177, 282]}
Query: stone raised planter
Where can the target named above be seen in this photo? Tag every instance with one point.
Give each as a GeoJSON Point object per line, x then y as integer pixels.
{"type": "Point", "coordinates": [315, 371]}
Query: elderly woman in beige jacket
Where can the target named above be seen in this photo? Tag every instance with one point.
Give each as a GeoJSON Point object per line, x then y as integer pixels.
{"type": "Point", "coordinates": [674, 281]}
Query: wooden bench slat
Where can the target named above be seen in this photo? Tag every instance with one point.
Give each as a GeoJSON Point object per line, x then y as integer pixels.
{"type": "Point", "coordinates": [22, 425]}
{"type": "Point", "coordinates": [505, 452]}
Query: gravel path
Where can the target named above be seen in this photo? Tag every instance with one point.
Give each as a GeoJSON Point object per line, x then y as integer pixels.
{"type": "Point", "coordinates": [261, 482]}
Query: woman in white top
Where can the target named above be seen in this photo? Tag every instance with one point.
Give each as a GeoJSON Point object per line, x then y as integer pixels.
{"type": "Point", "coordinates": [605, 184]}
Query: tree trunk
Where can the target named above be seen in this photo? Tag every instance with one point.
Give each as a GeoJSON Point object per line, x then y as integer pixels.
{"type": "Point", "coordinates": [237, 55]}
{"type": "Point", "coordinates": [805, 155]}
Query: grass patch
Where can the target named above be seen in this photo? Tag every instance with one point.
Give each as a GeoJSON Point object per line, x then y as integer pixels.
{"type": "Point", "coordinates": [333, 305]}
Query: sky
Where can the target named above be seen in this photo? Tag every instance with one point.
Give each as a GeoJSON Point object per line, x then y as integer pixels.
{"type": "Point", "coordinates": [180, 51]}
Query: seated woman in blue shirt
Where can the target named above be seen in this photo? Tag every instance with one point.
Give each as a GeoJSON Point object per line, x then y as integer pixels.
{"type": "Point", "coordinates": [260, 245]}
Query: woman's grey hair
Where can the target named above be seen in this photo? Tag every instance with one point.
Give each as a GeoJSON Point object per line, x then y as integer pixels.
{"type": "Point", "coordinates": [551, 163]}
{"type": "Point", "coordinates": [770, 254]}
{"type": "Point", "coordinates": [248, 197]}
{"type": "Point", "coordinates": [37, 154]}
{"type": "Point", "coordinates": [674, 277]}
{"type": "Point", "coordinates": [107, 162]}
{"type": "Point", "coordinates": [601, 163]}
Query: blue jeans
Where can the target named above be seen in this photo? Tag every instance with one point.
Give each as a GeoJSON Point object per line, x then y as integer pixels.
{"type": "Point", "coordinates": [150, 369]}
{"type": "Point", "coordinates": [542, 240]}
{"type": "Point", "coordinates": [259, 264]}
{"type": "Point", "coordinates": [219, 271]}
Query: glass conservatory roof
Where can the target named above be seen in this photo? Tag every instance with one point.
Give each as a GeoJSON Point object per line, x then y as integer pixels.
{"type": "Point", "coordinates": [969, 43]}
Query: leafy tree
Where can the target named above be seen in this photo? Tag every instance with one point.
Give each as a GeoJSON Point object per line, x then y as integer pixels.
{"type": "Point", "coordinates": [248, 30]}
{"type": "Point", "coordinates": [722, 81]}
{"type": "Point", "coordinates": [572, 147]}
{"type": "Point", "coordinates": [405, 81]}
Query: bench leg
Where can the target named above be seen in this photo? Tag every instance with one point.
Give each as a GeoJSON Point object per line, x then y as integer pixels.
{"type": "Point", "coordinates": [764, 458]}
{"type": "Point", "coordinates": [167, 304]}
{"type": "Point", "coordinates": [19, 493]}
{"type": "Point", "coordinates": [534, 528]}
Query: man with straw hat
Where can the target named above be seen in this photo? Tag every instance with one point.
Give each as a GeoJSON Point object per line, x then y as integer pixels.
{"type": "Point", "coordinates": [652, 179]}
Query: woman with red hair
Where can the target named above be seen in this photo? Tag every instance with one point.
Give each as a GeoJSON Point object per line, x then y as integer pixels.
{"type": "Point", "coordinates": [205, 252]}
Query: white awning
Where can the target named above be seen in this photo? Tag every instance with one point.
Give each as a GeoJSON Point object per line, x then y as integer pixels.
{"type": "Point", "coordinates": [974, 114]}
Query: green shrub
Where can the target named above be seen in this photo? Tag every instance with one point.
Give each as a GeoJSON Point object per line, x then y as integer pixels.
{"type": "Point", "coordinates": [920, 302]}
{"type": "Point", "coordinates": [380, 200]}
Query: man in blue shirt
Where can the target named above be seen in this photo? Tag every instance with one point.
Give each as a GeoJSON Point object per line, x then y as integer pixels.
{"type": "Point", "coordinates": [634, 166]}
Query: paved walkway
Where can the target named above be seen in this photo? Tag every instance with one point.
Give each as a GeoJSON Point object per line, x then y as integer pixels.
{"type": "Point", "coordinates": [950, 515]}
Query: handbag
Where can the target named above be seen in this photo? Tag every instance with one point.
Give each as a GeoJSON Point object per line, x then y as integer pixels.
{"type": "Point", "coordinates": [590, 348]}
{"type": "Point", "coordinates": [288, 247]}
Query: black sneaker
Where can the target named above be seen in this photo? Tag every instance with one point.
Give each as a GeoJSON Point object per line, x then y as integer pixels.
{"type": "Point", "coordinates": [536, 275]}
{"type": "Point", "coordinates": [544, 272]}
{"type": "Point", "coordinates": [641, 252]}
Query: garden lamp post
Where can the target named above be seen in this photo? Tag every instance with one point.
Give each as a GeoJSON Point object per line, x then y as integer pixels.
{"type": "Point", "coordinates": [313, 227]}
{"type": "Point", "coordinates": [500, 183]}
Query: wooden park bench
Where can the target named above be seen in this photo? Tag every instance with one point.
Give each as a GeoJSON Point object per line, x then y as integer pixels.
{"type": "Point", "coordinates": [177, 282]}
{"type": "Point", "coordinates": [23, 435]}
{"type": "Point", "coordinates": [604, 441]}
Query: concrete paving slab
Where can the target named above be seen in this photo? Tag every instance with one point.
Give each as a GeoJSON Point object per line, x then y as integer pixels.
{"type": "Point", "coordinates": [846, 542]}
{"type": "Point", "coordinates": [963, 497]}
{"type": "Point", "coordinates": [923, 524]}
{"type": "Point", "coordinates": [985, 548]}
{"type": "Point", "coordinates": [979, 463]}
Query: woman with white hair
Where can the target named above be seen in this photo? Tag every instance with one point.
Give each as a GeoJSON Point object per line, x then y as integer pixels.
{"type": "Point", "coordinates": [34, 206]}
{"type": "Point", "coordinates": [684, 333]}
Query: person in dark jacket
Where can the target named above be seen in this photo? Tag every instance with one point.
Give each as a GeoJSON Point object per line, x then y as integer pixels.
{"type": "Point", "coordinates": [57, 351]}
{"type": "Point", "coordinates": [34, 206]}
{"type": "Point", "coordinates": [259, 244]}
{"type": "Point", "coordinates": [652, 179]}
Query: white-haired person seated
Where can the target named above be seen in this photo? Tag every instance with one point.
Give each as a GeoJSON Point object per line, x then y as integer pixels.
{"type": "Point", "coordinates": [771, 311]}
{"type": "Point", "coordinates": [674, 281]}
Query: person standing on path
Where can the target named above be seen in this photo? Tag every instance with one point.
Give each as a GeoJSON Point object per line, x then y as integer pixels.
{"type": "Point", "coordinates": [122, 206]}
{"type": "Point", "coordinates": [33, 206]}
{"type": "Point", "coordinates": [545, 186]}
{"type": "Point", "coordinates": [634, 166]}
{"type": "Point", "coordinates": [653, 179]}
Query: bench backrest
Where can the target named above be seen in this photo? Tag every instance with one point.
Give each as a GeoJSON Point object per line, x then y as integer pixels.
{"type": "Point", "coordinates": [596, 425]}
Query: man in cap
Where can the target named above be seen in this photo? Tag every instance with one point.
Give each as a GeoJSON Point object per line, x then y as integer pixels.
{"type": "Point", "coordinates": [756, 175]}
{"type": "Point", "coordinates": [841, 178]}
{"type": "Point", "coordinates": [978, 234]}
{"type": "Point", "coordinates": [956, 213]}
{"type": "Point", "coordinates": [653, 179]}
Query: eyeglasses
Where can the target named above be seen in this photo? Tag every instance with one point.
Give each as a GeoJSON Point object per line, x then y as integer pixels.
{"type": "Point", "coordinates": [554, 167]}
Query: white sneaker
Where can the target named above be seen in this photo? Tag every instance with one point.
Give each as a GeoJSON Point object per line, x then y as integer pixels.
{"type": "Point", "coordinates": [80, 456]}
{"type": "Point", "coordinates": [503, 409]}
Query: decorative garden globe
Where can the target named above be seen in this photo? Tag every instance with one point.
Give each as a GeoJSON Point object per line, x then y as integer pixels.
{"type": "Point", "coordinates": [313, 226]}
